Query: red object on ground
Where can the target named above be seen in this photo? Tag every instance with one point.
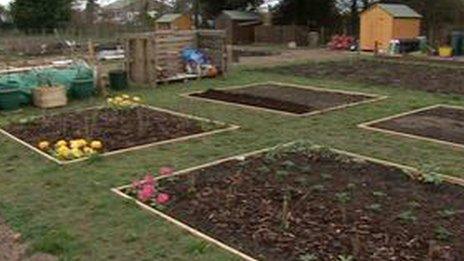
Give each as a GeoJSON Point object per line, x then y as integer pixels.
{"type": "Point", "coordinates": [341, 42]}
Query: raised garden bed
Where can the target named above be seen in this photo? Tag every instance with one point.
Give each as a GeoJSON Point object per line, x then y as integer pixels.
{"type": "Point", "coordinates": [302, 202]}
{"type": "Point", "coordinates": [439, 123]}
{"type": "Point", "coordinates": [369, 71]}
{"type": "Point", "coordinates": [117, 130]}
{"type": "Point", "coordinates": [287, 99]}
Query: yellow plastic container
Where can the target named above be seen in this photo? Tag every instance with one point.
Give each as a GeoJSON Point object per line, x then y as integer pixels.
{"type": "Point", "coordinates": [445, 51]}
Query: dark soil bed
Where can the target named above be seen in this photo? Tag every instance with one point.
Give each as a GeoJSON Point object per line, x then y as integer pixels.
{"type": "Point", "coordinates": [426, 61]}
{"type": "Point", "coordinates": [283, 98]}
{"type": "Point", "coordinates": [419, 77]}
{"type": "Point", "coordinates": [117, 129]}
{"type": "Point", "coordinates": [337, 206]}
{"type": "Point", "coordinates": [442, 123]}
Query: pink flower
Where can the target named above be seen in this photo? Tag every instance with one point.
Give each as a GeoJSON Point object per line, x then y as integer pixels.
{"type": "Point", "coordinates": [149, 180]}
{"type": "Point", "coordinates": [162, 198]}
{"type": "Point", "coordinates": [146, 193]}
{"type": "Point", "coordinates": [136, 184]}
{"type": "Point", "coordinates": [166, 171]}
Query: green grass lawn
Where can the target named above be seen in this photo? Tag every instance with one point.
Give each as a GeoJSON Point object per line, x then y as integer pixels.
{"type": "Point", "coordinates": [71, 212]}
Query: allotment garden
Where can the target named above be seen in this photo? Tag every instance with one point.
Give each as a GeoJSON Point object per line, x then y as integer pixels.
{"type": "Point", "coordinates": [358, 159]}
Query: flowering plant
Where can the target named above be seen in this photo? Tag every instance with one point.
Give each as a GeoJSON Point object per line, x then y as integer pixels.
{"type": "Point", "coordinates": [147, 189]}
{"type": "Point", "coordinates": [72, 149]}
{"type": "Point", "coordinates": [124, 102]}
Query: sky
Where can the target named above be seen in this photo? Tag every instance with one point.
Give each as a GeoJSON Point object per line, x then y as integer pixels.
{"type": "Point", "coordinates": [5, 2]}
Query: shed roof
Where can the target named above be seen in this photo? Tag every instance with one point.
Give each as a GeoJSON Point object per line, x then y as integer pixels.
{"type": "Point", "coordinates": [168, 18]}
{"type": "Point", "coordinates": [241, 15]}
{"type": "Point", "coordinates": [400, 11]}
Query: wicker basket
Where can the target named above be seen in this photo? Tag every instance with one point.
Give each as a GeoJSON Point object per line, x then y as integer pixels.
{"type": "Point", "coordinates": [50, 97]}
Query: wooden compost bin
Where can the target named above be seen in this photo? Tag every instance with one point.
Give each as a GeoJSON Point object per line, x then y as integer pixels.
{"type": "Point", "coordinates": [148, 51]}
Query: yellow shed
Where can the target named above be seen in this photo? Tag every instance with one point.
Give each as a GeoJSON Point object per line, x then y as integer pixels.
{"type": "Point", "coordinates": [382, 23]}
{"type": "Point", "coordinates": [174, 22]}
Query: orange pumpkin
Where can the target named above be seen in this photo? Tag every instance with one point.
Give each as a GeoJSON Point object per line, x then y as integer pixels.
{"type": "Point", "coordinates": [213, 72]}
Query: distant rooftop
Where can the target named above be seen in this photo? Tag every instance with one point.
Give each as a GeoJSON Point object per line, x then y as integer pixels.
{"type": "Point", "coordinates": [168, 18]}
{"type": "Point", "coordinates": [119, 4]}
{"type": "Point", "coordinates": [400, 11]}
{"type": "Point", "coordinates": [241, 15]}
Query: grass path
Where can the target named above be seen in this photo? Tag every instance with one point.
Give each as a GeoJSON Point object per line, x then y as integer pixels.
{"type": "Point", "coordinates": [70, 211]}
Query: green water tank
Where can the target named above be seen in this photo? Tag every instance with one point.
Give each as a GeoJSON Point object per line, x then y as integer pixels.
{"type": "Point", "coordinates": [82, 88]}
{"type": "Point", "coordinates": [10, 98]}
{"type": "Point", "coordinates": [457, 41]}
{"type": "Point", "coordinates": [118, 79]}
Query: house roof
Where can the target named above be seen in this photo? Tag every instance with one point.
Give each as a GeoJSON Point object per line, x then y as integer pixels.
{"type": "Point", "coordinates": [241, 15]}
{"type": "Point", "coordinates": [119, 4]}
{"type": "Point", "coordinates": [156, 5]}
{"type": "Point", "coordinates": [400, 11]}
{"type": "Point", "coordinates": [168, 18]}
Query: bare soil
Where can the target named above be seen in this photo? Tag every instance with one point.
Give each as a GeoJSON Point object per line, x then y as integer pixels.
{"type": "Point", "coordinates": [117, 129]}
{"type": "Point", "coordinates": [283, 98]}
{"type": "Point", "coordinates": [12, 249]}
{"type": "Point", "coordinates": [442, 123]}
{"type": "Point", "coordinates": [335, 206]}
{"type": "Point", "coordinates": [408, 76]}
{"type": "Point", "coordinates": [298, 55]}
{"type": "Point", "coordinates": [436, 61]}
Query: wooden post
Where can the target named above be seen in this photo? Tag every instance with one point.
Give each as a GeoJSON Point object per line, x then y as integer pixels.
{"type": "Point", "coordinates": [93, 60]}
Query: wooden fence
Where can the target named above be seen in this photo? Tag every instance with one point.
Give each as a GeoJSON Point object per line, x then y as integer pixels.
{"type": "Point", "coordinates": [282, 34]}
{"type": "Point", "coordinates": [53, 41]}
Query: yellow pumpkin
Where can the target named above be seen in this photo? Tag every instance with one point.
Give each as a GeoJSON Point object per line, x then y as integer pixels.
{"type": "Point", "coordinates": [77, 153]}
{"type": "Point", "coordinates": [74, 144]}
{"type": "Point", "coordinates": [88, 151]}
{"type": "Point", "coordinates": [61, 143]}
{"type": "Point", "coordinates": [63, 152]}
{"type": "Point", "coordinates": [96, 145]}
{"type": "Point", "coordinates": [44, 145]}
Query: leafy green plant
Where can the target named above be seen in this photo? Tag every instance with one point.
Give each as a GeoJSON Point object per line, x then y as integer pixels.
{"type": "Point", "coordinates": [272, 156]}
{"type": "Point", "coordinates": [379, 194]}
{"type": "Point", "coordinates": [407, 216]}
{"type": "Point", "coordinates": [326, 176]}
{"type": "Point", "coordinates": [351, 186]}
{"type": "Point", "coordinates": [324, 152]}
{"type": "Point", "coordinates": [304, 168]}
{"type": "Point", "coordinates": [414, 204]}
{"type": "Point", "coordinates": [27, 120]}
{"type": "Point", "coordinates": [430, 175]}
{"type": "Point", "coordinates": [308, 257]}
{"type": "Point", "coordinates": [318, 188]}
{"type": "Point", "coordinates": [289, 165]}
{"type": "Point", "coordinates": [443, 234]}
{"type": "Point", "coordinates": [343, 197]}
{"type": "Point", "coordinates": [301, 146]}
{"type": "Point", "coordinates": [282, 175]}
{"type": "Point", "coordinates": [263, 169]}
{"type": "Point", "coordinates": [343, 158]}
{"type": "Point", "coordinates": [447, 213]}
{"type": "Point", "coordinates": [374, 207]}
{"type": "Point", "coordinates": [345, 258]}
